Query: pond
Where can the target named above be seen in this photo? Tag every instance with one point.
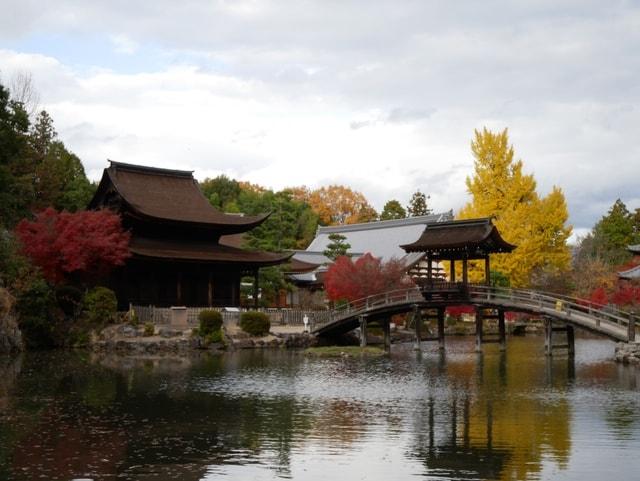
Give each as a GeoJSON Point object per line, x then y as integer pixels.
{"type": "Point", "coordinates": [277, 414]}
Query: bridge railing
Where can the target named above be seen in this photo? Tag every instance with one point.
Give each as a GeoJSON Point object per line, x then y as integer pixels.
{"type": "Point", "coordinates": [358, 306]}
{"type": "Point", "coordinates": [570, 306]}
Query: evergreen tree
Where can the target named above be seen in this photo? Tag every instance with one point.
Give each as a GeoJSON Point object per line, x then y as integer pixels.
{"type": "Point", "coordinates": [393, 210]}
{"type": "Point", "coordinates": [337, 247]}
{"type": "Point", "coordinates": [612, 234]}
{"type": "Point", "coordinates": [538, 226]}
{"type": "Point", "coordinates": [418, 205]}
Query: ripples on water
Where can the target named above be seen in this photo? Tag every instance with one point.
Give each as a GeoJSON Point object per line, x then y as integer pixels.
{"type": "Point", "coordinates": [267, 415]}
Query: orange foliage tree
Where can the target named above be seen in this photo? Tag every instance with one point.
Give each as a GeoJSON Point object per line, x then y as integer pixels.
{"type": "Point", "coordinates": [349, 280]}
{"type": "Point", "coordinates": [337, 204]}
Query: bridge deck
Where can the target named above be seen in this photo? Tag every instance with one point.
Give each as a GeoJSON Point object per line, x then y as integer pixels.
{"type": "Point", "coordinates": [604, 320]}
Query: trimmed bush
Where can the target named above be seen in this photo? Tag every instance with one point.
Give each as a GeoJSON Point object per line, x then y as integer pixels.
{"type": "Point", "coordinates": [255, 323]}
{"type": "Point", "coordinates": [210, 322]}
{"type": "Point", "coordinates": [100, 306]}
{"type": "Point", "coordinates": [149, 329]}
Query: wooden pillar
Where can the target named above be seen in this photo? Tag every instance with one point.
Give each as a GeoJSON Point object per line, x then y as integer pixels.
{"type": "Point", "coordinates": [386, 331]}
{"type": "Point", "coordinates": [452, 270]}
{"type": "Point", "coordinates": [441, 328]}
{"type": "Point", "coordinates": [363, 331]}
{"type": "Point", "coordinates": [548, 337]}
{"type": "Point", "coordinates": [417, 319]}
{"type": "Point", "coordinates": [210, 289]}
{"type": "Point", "coordinates": [179, 289]}
{"type": "Point", "coordinates": [502, 330]}
{"type": "Point", "coordinates": [256, 288]}
{"type": "Point", "coordinates": [487, 271]}
{"type": "Point", "coordinates": [571, 341]}
{"type": "Point", "coordinates": [429, 270]}
{"type": "Point", "coordinates": [465, 273]}
{"type": "Point", "coordinates": [631, 335]}
{"type": "Point", "coordinates": [479, 319]}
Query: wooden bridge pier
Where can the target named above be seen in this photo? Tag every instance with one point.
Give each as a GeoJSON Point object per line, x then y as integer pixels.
{"type": "Point", "coordinates": [417, 318]}
{"type": "Point", "coordinates": [502, 330]}
{"type": "Point", "coordinates": [549, 345]}
{"type": "Point", "coordinates": [363, 330]}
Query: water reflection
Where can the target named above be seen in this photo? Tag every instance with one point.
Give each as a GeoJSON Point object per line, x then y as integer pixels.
{"type": "Point", "coordinates": [277, 414]}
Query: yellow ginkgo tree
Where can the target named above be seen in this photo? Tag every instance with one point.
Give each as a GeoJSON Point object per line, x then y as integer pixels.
{"type": "Point", "coordinates": [538, 226]}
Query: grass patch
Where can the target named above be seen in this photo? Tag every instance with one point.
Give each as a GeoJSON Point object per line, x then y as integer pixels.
{"type": "Point", "coordinates": [344, 351]}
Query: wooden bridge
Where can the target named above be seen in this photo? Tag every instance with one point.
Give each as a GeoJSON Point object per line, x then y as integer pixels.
{"type": "Point", "coordinates": [561, 313]}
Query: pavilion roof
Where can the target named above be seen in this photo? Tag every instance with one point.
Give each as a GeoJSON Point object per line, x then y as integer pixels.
{"type": "Point", "coordinates": [168, 195]}
{"type": "Point", "coordinates": [457, 239]}
{"type": "Point", "coordinates": [203, 252]}
{"type": "Point", "coordinates": [633, 273]}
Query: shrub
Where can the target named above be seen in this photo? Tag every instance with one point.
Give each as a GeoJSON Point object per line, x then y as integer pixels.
{"type": "Point", "coordinates": [210, 322]}
{"type": "Point", "coordinates": [255, 323]}
{"type": "Point", "coordinates": [36, 307]}
{"type": "Point", "coordinates": [215, 336]}
{"type": "Point", "coordinates": [149, 329]}
{"type": "Point", "coordinates": [69, 299]}
{"type": "Point", "coordinates": [100, 306]}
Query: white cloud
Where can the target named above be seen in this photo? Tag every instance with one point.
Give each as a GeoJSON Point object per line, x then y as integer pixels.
{"type": "Point", "coordinates": [123, 44]}
{"type": "Point", "coordinates": [382, 96]}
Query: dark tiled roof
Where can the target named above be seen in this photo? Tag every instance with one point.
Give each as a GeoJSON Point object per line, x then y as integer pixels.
{"type": "Point", "coordinates": [203, 252]}
{"type": "Point", "coordinates": [472, 237]}
{"type": "Point", "coordinates": [171, 195]}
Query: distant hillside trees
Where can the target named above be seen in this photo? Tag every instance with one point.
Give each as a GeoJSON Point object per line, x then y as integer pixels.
{"type": "Point", "coordinates": [393, 210]}
{"type": "Point", "coordinates": [418, 205]}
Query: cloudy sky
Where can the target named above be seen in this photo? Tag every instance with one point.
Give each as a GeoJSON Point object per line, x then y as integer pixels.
{"type": "Point", "coordinates": [382, 96]}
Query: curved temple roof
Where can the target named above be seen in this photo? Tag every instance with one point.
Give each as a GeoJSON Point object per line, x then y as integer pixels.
{"type": "Point", "coordinates": [170, 195]}
{"type": "Point", "coordinates": [472, 238]}
{"type": "Point", "coordinates": [204, 252]}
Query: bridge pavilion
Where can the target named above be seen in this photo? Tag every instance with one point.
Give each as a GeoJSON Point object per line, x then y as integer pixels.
{"type": "Point", "coordinates": [184, 251]}
{"type": "Point", "coordinates": [459, 241]}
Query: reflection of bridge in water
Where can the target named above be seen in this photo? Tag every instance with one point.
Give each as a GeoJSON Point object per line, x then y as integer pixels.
{"type": "Point", "coordinates": [561, 313]}
{"type": "Point", "coordinates": [463, 241]}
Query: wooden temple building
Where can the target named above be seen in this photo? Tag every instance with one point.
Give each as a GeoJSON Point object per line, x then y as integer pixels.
{"type": "Point", "coordinates": [184, 251]}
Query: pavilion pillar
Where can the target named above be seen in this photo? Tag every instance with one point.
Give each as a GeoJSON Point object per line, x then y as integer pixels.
{"type": "Point", "coordinates": [479, 319]}
{"type": "Point", "coordinates": [417, 319]}
{"type": "Point", "coordinates": [386, 331]}
{"type": "Point", "coordinates": [210, 289]}
{"type": "Point", "coordinates": [502, 331]}
{"type": "Point", "coordinates": [429, 270]}
{"type": "Point", "coordinates": [452, 270]}
{"type": "Point", "coordinates": [179, 288]}
{"type": "Point", "coordinates": [441, 328]}
{"type": "Point", "coordinates": [256, 288]}
{"type": "Point", "coordinates": [465, 271]}
{"type": "Point", "coordinates": [487, 271]}
{"type": "Point", "coordinates": [363, 331]}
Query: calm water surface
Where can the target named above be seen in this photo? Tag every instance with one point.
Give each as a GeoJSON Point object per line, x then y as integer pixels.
{"type": "Point", "coordinates": [266, 415]}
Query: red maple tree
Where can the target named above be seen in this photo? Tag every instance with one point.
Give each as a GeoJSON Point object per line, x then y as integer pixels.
{"type": "Point", "coordinates": [368, 275]}
{"type": "Point", "coordinates": [82, 244]}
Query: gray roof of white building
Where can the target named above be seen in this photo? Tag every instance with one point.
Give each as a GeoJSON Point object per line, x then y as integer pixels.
{"type": "Point", "coordinates": [382, 238]}
{"type": "Point", "coordinates": [635, 249]}
{"type": "Point", "coordinates": [633, 273]}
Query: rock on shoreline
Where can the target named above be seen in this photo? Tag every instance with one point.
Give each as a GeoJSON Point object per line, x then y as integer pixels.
{"type": "Point", "coordinates": [628, 352]}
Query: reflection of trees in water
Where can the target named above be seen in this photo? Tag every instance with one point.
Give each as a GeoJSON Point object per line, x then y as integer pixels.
{"type": "Point", "coordinates": [494, 428]}
{"type": "Point", "coordinates": [92, 421]}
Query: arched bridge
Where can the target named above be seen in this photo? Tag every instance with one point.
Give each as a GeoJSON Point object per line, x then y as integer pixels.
{"type": "Point", "coordinates": [607, 321]}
